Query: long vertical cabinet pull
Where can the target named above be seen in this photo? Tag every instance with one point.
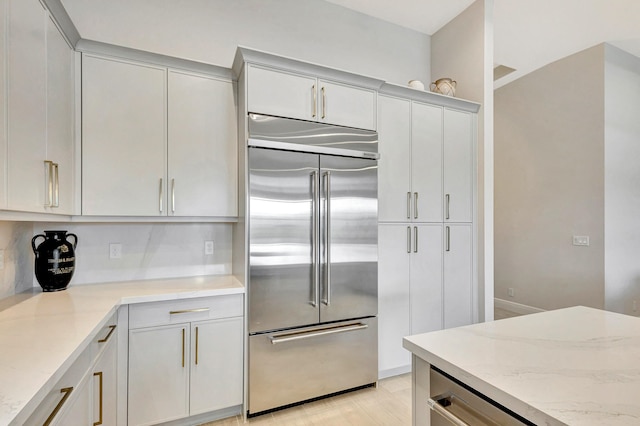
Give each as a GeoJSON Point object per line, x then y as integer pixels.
{"type": "Point", "coordinates": [56, 186]}
{"type": "Point", "coordinates": [447, 202]}
{"type": "Point", "coordinates": [327, 237]}
{"type": "Point", "coordinates": [415, 205]}
{"type": "Point", "coordinates": [448, 239]}
{"type": "Point", "coordinates": [314, 238]}
{"type": "Point", "coordinates": [415, 239]}
{"type": "Point", "coordinates": [314, 92]}
{"type": "Point", "coordinates": [183, 348]}
{"type": "Point", "coordinates": [408, 205]}
{"type": "Point", "coordinates": [197, 345]}
{"type": "Point", "coordinates": [173, 195]}
{"type": "Point", "coordinates": [48, 183]}
{"type": "Point", "coordinates": [324, 103]}
{"type": "Point", "coordinates": [160, 195]}
{"type": "Point", "coordinates": [408, 239]}
{"type": "Point", "coordinates": [100, 398]}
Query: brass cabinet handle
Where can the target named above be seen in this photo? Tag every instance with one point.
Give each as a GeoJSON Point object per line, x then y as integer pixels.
{"type": "Point", "coordinates": [196, 345]}
{"type": "Point", "coordinates": [173, 195]}
{"type": "Point", "coordinates": [66, 392]}
{"type": "Point", "coordinates": [408, 239]}
{"type": "Point", "coordinates": [315, 101]}
{"type": "Point", "coordinates": [183, 338]}
{"type": "Point", "coordinates": [56, 190]}
{"type": "Point", "coordinates": [324, 103]}
{"type": "Point", "coordinates": [188, 311]}
{"type": "Point", "coordinates": [48, 175]}
{"type": "Point", "coordinates": [112, 327]}
{"type": "Point", "coordinates": [99, 375]}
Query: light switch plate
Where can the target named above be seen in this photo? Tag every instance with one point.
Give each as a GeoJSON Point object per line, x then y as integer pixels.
{"type": "Point", "coordinates": [580, 240]}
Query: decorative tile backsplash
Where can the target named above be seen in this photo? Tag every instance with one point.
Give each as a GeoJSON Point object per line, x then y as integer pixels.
{"type": "Point", "coordinates": [149, 250]}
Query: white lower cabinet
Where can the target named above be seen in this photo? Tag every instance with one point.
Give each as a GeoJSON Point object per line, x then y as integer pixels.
{"type": "Point", "coordinates": [185, 358]}
{"type": "Point", "coordinates": [82, 396]}
{"type": "Point", "coordinates": [458, 279]}
{"type": "Point", "coordinates": [410, 288]}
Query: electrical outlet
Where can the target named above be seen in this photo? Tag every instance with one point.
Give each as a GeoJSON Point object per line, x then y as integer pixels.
{"type": "Point", "coordinates": [512, 293]}
{"type": "Point", "coordinates": [208, 247]}
{"type": "Point", "coordinates": [581, 240]}
{"type": "Point", "coordinates": [115, 251]}
{"type": "Point", "coordinates": [1, 259]}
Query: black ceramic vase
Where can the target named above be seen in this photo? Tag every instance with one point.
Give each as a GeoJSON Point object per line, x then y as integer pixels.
{"type": "Point", "coordinates": [55, 259]}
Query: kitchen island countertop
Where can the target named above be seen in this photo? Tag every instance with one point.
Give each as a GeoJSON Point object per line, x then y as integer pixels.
{"type": "Point", "coordinates": [43, 334]}
{"type": "Point", "coordinates": [575, 366]}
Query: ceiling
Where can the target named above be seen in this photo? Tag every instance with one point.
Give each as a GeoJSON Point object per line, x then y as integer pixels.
{"type": "Point", "coordinates": [528, 34]}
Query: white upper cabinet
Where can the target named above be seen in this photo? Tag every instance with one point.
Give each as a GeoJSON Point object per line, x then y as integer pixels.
{"type": "Point", "coordinates": [458, 166]}
{"type": "Point", "coordinates": [410, 167]}
{"type": "Point", "coordinates": [27, 107]}
{"type": "Point", "coordinates": [394, 166]}
{"type": "Point", "coordinates": [40, 111]}
{"type": "Point", "coordinates": [60, 122]}
{"type": "Point", "coordinates": [156, 142]}
{"type": "Point", "coordinates": [202, 146]}
{"type": "Point", "coordinates": [305, 97]}
{"type": "Point", "coordinates": [123, 138]}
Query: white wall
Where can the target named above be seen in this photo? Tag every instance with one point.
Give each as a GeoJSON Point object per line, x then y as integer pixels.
{"type": "Point", "coordinates": [549, 184]}
{"type": "Point", "coordinates": [622, 180]}
{"type": "Point", "coordinates": [210, 30]}
{"type": "Point", "coordinates": [463, 51]}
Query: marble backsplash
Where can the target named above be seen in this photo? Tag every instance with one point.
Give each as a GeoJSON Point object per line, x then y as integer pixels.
{"type": "Point", "coordinates": [149, 251]}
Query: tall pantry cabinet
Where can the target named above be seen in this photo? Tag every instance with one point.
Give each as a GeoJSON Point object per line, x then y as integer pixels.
{"type": "Point", "coordinates": [426, 228]}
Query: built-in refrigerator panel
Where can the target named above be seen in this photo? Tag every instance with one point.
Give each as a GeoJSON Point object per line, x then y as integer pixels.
{"type": "Point", "coordinates": [349, 238]}
{"type": "Point", "coordinates": [282, 270]}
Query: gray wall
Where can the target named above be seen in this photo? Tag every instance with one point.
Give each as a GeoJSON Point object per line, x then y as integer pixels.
{"type": "Point", "coordinates": [622, 180]}
{"type": "Point", "coordinates": [210, 30]}
{"type": "Point", "coordinates": [549, 184]}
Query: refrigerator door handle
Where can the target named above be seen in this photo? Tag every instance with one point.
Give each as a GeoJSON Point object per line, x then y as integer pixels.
{"type": "Point", "coordinates": [288, 337]}
{"type": "Point", "coordinates": [314, 238]}
{"type": "Point", "coordinates": [327, 238]}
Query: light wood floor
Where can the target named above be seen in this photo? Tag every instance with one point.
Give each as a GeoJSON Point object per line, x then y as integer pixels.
{"type": "Point", "coordinates": [387, 405]}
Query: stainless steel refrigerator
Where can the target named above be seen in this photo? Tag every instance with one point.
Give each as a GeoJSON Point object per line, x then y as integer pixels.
{"type": "Point", "coordinates": [313, 285]}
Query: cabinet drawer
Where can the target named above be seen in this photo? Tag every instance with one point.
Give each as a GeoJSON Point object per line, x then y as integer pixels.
{"type": "Point", "coordinates": [107, 333]}
{"type": "Point", "coordinates": [186, 310]}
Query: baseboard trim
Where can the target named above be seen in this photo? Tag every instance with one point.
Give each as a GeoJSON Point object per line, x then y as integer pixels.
{"type": "Point", "coordinates": [394, 371]}
{"type": "Point", "coordinates": [518, 308]}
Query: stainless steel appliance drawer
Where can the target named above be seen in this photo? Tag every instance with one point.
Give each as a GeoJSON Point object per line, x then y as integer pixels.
{"type": "Point", "coordinates": [295, 365]}
{"type": "Point", "coordinates": [453, 402]}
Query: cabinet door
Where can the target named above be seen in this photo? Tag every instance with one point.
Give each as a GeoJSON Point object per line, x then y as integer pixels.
{"type": "Point", "coordinates": [216, 364]}
{"type": "Point", "coordinates": [458, 280]}
{"type": "Point", "coordinates": [426, 162]}
{"type": "Point", "coordinates": [104, 378]}
{"type": "Point", "coordinates": [158, 374]}
{"type": "Point", "coordinates": [77, 410]}
{"type": "Point", "coordinates": [3, 95]}
{"type": "Point", "coordinates": [394, 166]}
{"type": "Point", "coordinates": [202, 146]}
{"type": "Point", "coordinates": [123, 138]}
{"type": "Point", "coordinates": [27, 79]}
{"type": "Point", "coordinates": [458, 166]}
{"type": "Point", "coordinates": [60, 142]}
{"type": "Point", "coordinates": [346, 105]}
{"type": "Point", "coordinates": [426, 278]}
{"type": "Point", "coordinates": [394, 246]}
{"type": "Point", "coordinates": [282, 94]}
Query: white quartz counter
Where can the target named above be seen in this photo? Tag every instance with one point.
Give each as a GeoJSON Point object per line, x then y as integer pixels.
{"type": "Point", "coordinates": [575, 366]}
{"type": "Point", "coordinates": [42, 336]}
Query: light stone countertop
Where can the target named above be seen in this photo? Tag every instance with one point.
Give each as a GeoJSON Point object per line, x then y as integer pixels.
{"type": "Point", "coordinates": [575, 366]}
{"type": "Point", "coordinates": [43, 334]}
